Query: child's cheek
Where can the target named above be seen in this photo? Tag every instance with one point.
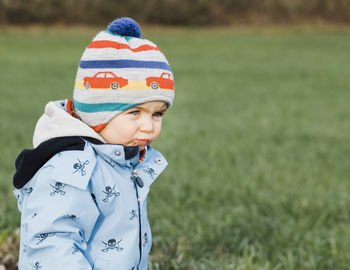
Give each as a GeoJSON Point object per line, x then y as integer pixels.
{"type": "Point", "coordinates": [157, 131]}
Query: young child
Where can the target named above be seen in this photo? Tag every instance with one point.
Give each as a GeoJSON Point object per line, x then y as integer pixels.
{"type": "Point", "coordinates": [82, 191]}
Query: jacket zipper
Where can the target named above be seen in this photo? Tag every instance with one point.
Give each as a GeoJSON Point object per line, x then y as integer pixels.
{"type": "Point", "coordinates": [134, 177]}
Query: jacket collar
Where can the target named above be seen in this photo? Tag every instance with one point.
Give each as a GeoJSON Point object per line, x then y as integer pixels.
{"type": "Point", "coordinates": [116, 153]}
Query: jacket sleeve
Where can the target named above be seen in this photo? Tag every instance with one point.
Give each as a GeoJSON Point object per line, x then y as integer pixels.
{"type": "Point", "coordinates": [58, 214]}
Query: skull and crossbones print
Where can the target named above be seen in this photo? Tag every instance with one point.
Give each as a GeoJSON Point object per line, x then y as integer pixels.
{"type": "Point", "coordinates": [150, 172]}
{"type": "Point", "coordinates": [75, 250]}
{"type": "Point", "coordinates": [110, 192]}
{"type": "Point", "coordinates": [133, 214]}
{"type": "Point", "coordinates": [58, 188]}
{"type": "Point", "coordinates": [43, 236]}
{"type": "Point", "coordinates": [80, 167]}
{"type": "Point", "coordinates": [112, 244]}
{"type": "Point", "coordinates": [145, 238]}
{"type": "Point", "coordinates": [71, 217]}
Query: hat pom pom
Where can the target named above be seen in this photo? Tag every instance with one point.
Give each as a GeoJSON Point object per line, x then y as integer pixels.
{"type": "Point", "coordinates": [125, 27]}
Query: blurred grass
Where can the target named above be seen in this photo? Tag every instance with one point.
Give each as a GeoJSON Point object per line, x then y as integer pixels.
{"type": "Point", "coordinates": [257, 141]}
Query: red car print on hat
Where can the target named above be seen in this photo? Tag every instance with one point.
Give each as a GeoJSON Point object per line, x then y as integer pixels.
{"type": "Point", "coordinates": [164, 81]}
{"type": "Point", "coordinates": [105, 80]}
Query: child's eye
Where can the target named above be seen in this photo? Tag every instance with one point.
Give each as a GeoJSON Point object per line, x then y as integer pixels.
{"type": "Point", "coordinates": [134, 112]}
{"type": "Point", "coordinates": [158, 114]}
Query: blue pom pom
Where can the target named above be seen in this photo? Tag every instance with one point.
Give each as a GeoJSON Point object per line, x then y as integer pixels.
{"type": "Point", "coordinates": [125, 27]}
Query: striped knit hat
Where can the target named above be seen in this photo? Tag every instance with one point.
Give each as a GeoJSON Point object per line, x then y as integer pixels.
{"type": "Point", "coordinates": [119, 70]}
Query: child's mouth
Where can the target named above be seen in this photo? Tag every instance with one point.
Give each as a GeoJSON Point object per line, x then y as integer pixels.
{"type": "Point", "coordinates": [142, 142]}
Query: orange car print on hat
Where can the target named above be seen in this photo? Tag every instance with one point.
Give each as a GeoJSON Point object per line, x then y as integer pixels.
{"type": "Point", "coordinates": [164, 81]}
{"type": "Point", "coordinates": [105, 80]}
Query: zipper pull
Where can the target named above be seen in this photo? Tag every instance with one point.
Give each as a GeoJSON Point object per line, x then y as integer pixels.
{"type": "Point", "coordinates": [137, 178]}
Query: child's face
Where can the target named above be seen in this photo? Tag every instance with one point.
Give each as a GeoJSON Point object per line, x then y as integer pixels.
{"type": "Point", "coordinates": [139, 125]}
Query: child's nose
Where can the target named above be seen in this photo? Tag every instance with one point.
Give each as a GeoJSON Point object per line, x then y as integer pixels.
{"type": "Point", "coordinates": [146, 124]}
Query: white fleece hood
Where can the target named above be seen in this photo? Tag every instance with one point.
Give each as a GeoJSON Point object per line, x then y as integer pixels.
{"type": "Point", "coordinates": [56, 122]}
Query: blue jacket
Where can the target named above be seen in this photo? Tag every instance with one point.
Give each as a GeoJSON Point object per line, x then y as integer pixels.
{"type": "Point", "coordinates": [86, 208]}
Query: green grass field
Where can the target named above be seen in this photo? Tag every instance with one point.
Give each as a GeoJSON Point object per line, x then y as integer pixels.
{"type": "Point", "coordinates": [258, 142]}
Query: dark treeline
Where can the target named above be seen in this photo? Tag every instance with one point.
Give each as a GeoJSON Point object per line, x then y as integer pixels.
{"type": "Point", "coordinates": [174, 12]}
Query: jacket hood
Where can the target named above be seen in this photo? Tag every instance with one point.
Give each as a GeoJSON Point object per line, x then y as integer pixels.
{"type": "Point", "coordinates": [56, 122]}
{"type": "Point", "coordinates": [55, 131]}
{"type": "Point", "coordinates": [29, 161]}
